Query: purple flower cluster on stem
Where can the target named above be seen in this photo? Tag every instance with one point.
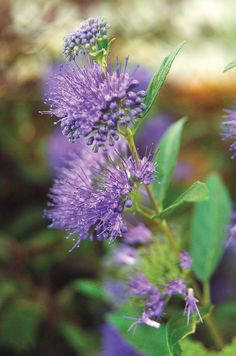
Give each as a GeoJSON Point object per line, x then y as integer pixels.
{"type": "Point", "coordinates": [229, 129]}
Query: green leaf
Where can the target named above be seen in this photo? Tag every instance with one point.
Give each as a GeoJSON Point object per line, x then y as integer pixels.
{"type": "Point", "coordinates": [19, 325]}
{"type": "Point", "coordinates": [193, 348]}
{"type": "Point", "coordinates": [209, 228]}
{"type": "Point", "coordinates": [74, 336]}
{"type": "Point", "coordinates": [178, 329]}
{"type": "Point", "coordinates": [157, 82]}
{"type": "Point", "coordinates": [229, 350]}
{"type": "Point", "coordinates": [166, 159]}
{"type": "Point", "coordinates": [92, 289]}
{"type": "Point", "coordinates": [148, 340]}
{"type": "Point", "coordinates": [197, 192]}
{"type": "Point", "coordinates": [229, 66]}
{"type": "Point", "coordinates": [225, 316]}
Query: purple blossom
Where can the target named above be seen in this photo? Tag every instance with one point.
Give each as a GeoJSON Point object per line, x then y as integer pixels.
{"type": "Point", "coordinates": [92, 206]}
{"type": "Point", "coordinates": [231, 242]}
{"type": "Point", "coordinates": [139, 234]}
{"type": "Point", "coordinates": [176, 287]}
{"type": "Point", "coordinates": [191, 305]}
{"type": "Point", "coordinates": [113, 343]}
{"type": "Point", "coordinates": [140, 286]}
{"type": "Point", "coordinates": [185, 260]}
{"type": "Point", "coordinates": [90, 37]}
{"type": "Point", "coordinates": [125, 255]}
{"type": "Point", "coordinates": [92, 104]}
{"type": "Point", "coordinates": [229, 129]}
{"type": "Point", "coordinates": [117, 290]}
{"type": "Point", "coordinates": [155, 305]}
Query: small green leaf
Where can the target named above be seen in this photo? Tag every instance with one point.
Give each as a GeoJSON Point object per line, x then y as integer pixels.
{"type": "Point", "coordinates": [92, 289]}
{"type": "Point", "coordinates": [197, 192]}
{"type": "Point", "coordinates": [157, 82]}
{"type": "Point", "coordinates": [211, 219]}
{"type": "Point", "coordinates": [74, 336]}
{"type": "Point", "coordinates": [178, 329]}
{"type": "Point", "coordinates": [229, 66]}
{"type": "Point", "coordinates": [148, 340]}
{"type": "Point", "coordinates": [166, 159]}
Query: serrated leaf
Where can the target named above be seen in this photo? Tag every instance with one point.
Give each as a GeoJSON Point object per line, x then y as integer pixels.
{"type": "Point", "coordinates": [147, 340]}
{"type": "Point", "coordinates": [211, 219]}
{"type": "Point", "coordinates": [166, 159]}
{"type": "Point", "coordinates": [92, 289]}
{"type": "Point", "coordinates": [197, 192]}
{"type": "Point", "coordinates": [157, 82]}
{"type": "Point", "coordinates": [229, 66]}
{"type": "Point", "coordinates": [178, 329]}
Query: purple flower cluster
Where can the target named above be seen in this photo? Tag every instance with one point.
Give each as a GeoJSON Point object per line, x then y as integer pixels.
{"type": "Point", "coordinates": [229, 129]}
{"type": "Point", "coordinates": [125, 255]}
{"type": "Point", "coordinates": [90, 37]}
{"type": "Point", "coordinates": [155, 300]}
{"type": "Point", "coordinates": [138, 234]}
{"type": "Point", "coordinates": [92, 104]}
{"type": "Point", "coordinates": [185, 260]}
{"type": "Point", "coordinates": [92, 205]}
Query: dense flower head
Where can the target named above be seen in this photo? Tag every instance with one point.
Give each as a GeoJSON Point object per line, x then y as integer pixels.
{"type": "Point", "coordinates": [138, 234]}
{"type": "Point", "coordinates": [185, 260]}
{"type": "Point", "coordinates": [92, 205]}
{"type": "Point", "coordinates": [176, 287]}
{"type": "Point", "coordinates": [90, 37]}
{"type": "Point", "coordinates": [92, 104]}
{"type": "Point", "coordinates": [191, 304]}
{"type": "Point", "coordinates": [229, 129]}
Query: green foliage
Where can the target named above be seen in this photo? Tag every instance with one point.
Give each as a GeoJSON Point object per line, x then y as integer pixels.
{"type": "Point", "coordinates": [166, 159]}
{"type": "Point", "coordinates": [229, 66]}
{"type": "Point", "coordinates": [92, 289]}
{"type": "Point", "coordinates": [157, 81]}
{"type": "Point", "coordinates": [194, 348]}
{"type": "Point", "coordinates": [178, 329]}
{"type": "Point", "coordinates": [197, 192]}
{"type": "Point", "coordinates": [225, 316]}
{"type": "Point", "coordinates": [158, 262]}
{"type": "Point", "coordinates": [19, 324]}
{"type": "Point", "coordinates": [229, 350]}
{"type": "Point", "coordinates": [149, 341]}
{"type": "Point", "coordinates": [209, 228]}
{"type": "Point", "coordinates": [74, 336]}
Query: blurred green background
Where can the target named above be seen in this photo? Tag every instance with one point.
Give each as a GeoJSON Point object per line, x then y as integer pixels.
{"type": "Point", "coordinates": [43, 308]}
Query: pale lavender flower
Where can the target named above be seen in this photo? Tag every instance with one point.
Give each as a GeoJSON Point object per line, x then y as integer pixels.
{"type": "Point", "coordinates": [117, 290]}
{"type": "Point", "coordinates": [141, 286]}
{"type": "Point", "coordinates": [185, 260]}
{"type": "Point", "coordinates": [138, 234]}
{"type": "Point", "coordinates": [113, 344]}
{"type": "Point", "coordinates": [92, 104]}
{"type": "Point", "coordinates": [92, 206]}
{"type": "Point", "coordinates": [176, 287]}
{"type": "Point", "coordinates": [144, 319]}
{"type": "Point", "coordinates": [229, 129]}
{"type": "Point", "coordinates": [125, 255]}
{"type": "Point", "coordinates": [191, 305]}
{"type": "Point", "coordinates": [90, 37]}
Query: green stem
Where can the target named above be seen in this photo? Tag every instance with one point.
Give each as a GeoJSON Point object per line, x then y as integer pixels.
{"type": "Point", "coordinates": [205, 299]}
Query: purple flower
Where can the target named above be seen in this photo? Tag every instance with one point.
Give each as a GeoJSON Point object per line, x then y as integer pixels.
{"type": "Point", "coordinates": [90, 37]}
{"type": "Point", "coordinates": [155, 305]}
{"type": "Point", "coordinates": [92, 104]}
{"type": "Point", "coordinates": [144, 319]}
{"type": "Point", "coordinates": [137, 235]}
{"type": "Point", "coordinates": [140, 286]}
{"type": "Point", "coordinates": [191, 305]}
{"type": "Point", "coordinates": [113, 343]}
{"type": "Point", "coordinates": [185, 260]}
{"type": "Point", "coordinates": [176, 287]}
{"type": "Point", "coordinates": [229, 129]}
{"type": "Point", "coordinates": [117, 290]}
{"type": "Point", "coordinates": [92, 205]}
{"type": "Point", "coordinates": [125, 255]}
